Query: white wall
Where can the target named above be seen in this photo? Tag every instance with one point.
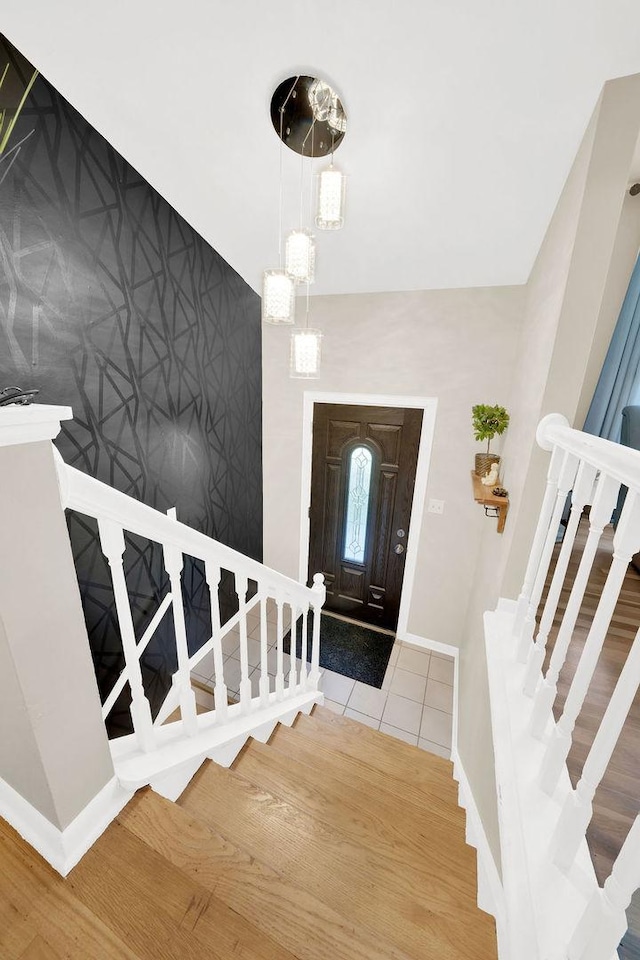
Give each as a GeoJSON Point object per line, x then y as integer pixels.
{"type": "Point", "coordinates": [458, 346]}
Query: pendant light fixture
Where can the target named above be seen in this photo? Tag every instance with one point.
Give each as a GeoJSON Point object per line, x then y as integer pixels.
{"type": "Point", "coordinates": [306, 344]}
{"type": "Point", "coordinates": [278, 297]}
{"type": "Point", "coordinates": [300, 256]}
{"type": "Point", "coordinates": [305, 109]}
{"type": "Point", "coordinates": [331, 194]}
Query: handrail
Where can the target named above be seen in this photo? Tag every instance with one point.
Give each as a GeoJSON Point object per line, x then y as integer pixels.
{"type": "Point", "coordinates": [117, 514]}
{"type": "Point", "coordinates": [97, 499]}
{"type": "Point", "coordinates": [620, 462]}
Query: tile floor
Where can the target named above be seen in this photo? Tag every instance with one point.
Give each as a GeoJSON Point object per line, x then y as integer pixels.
{"type": "Point", "coordinates": [415, 703]}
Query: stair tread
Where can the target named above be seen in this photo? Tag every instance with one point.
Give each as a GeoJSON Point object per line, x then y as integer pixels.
{"type": "Point", "coordinates": [375, 764]}
{"type": "Point", "coordinates": [354, 772]}
{"type": "Point", "coordinates": [318, 858]}
{"type": "Point", "coordinates": [151, 902]}
{"type": "Point", "coordinates": [290, 915]}
{"type": "Point", "coordinates": [420, 765]}
{"type": "Point", "coordinates": [422, 844]}
{"type": "Point", "coordinates": [38, 911]}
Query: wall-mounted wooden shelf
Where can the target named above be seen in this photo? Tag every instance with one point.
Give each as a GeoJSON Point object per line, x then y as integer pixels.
{"type": "Point", "coordinates": [483, 495]}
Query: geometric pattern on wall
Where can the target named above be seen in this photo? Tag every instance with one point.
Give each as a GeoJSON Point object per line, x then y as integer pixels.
{"type": "Point", "coordinates": [111, 303]}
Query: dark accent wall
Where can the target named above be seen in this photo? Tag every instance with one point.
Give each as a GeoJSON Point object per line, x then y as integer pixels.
{"type": "Point", "coordinates": [111, 303]}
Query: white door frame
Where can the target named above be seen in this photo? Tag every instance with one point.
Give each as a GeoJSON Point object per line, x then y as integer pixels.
{"type": "Point", "coordinates": [429, 406]}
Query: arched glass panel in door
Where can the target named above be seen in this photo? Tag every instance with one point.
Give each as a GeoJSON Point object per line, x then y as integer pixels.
{"type": "Point", "coordinates": [357, 512]}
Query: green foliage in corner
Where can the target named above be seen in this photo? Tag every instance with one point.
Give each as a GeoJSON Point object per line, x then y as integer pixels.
{"type": "Point", "coordinates": [488, 422]}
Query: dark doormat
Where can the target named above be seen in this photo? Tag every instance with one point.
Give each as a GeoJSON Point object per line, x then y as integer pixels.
{"type": "Point", "coordinates": [347, 648]}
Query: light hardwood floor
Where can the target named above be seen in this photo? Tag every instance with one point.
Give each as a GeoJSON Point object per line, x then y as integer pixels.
{"type": "Point", "coordinates": [332, 841]}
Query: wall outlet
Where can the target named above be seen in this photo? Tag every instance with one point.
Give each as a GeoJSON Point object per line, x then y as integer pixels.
{"type": "Point", "coordinates": [435, 506]}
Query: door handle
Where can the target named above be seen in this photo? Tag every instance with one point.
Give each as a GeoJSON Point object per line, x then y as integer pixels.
{"type": "Point", "coordinates": [399, 548]}
{"type": "Point", "coordinates": [400, 533]}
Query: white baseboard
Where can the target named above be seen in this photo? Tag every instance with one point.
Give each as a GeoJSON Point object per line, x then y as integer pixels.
{"type": "Point", "coordinates": [448, 649]}
{"type": "Point", "coordinates": [62, 848]}
{"type": "Point", "coordinates": [491, 897]}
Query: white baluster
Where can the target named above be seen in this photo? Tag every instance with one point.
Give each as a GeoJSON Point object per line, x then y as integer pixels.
{"type": "Point", "coordinates": [293, 646]}
{"type": "Point", "coordinates": [279, 656]}
{"type": "Point", "coordinates": [625, 543]}
{"type": "Point", "coordinates": [578, 808]}
{"type": "Point", "coordinates": [581, 493]}
{"type": "Point", "coordinates": [304, 650]}
{"type": "Point", "coordinates": [242, 587]}
{"type": "Point", "coordinates": [320, 594]}
{"type": "Point", "coordinates": [173, 563]}
{"type": "Point", "coordinates": [565, 483]}
{"type": "Point", "coordinates": [264, 665]}
{"type": "Point", "coordinates": [536, 549]}
{"type": "Point", "coordinates": [221, 697]}
{"type": "Point", "coordinates": [599, 516]}
{"type": "Point", "coordinates": [112, 542]}
{"type": "Point", "coordinates": [604, 922]}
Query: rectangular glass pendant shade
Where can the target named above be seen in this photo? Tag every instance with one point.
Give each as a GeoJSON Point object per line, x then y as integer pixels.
{"type": "Point", "coordinates": [331, 189]}
{"type": "Point", "coordinates": [278, 297]}
{"type": "Point", "coordinates": [305, 353]}
{"type": "Point", "coordinates": [300, 256]}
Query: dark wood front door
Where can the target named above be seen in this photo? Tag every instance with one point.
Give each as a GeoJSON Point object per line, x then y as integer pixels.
{"type": "Point", "coordinates": [362, 478]}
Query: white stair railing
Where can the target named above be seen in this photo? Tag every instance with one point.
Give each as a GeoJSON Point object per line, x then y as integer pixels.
{"type": "Point", "coordinates": [550, 884]}
{"type": "Point", "coordinates": [118, 514]}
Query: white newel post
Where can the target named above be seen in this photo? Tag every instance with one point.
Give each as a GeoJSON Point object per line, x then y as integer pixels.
{"type": "Point", "coordinates": [57, 758]}
{"type": "Point", "coordinates": [320, 592]}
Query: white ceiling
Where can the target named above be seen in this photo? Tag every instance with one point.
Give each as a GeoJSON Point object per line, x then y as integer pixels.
{"type": "Point", "coordinates": [464, 118]}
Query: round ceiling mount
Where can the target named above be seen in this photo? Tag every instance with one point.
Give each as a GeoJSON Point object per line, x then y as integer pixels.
{"type": "Point", "coordinates": [308, 116]}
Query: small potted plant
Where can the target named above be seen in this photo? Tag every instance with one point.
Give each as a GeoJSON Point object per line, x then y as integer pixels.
{"type": "Point", "coordinates": [488, 422]}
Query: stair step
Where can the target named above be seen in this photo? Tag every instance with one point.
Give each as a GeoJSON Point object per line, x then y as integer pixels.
{"type": "Point", "coordinates": [372, 787]}
{"type": "Point", "coordinates": [39, 910]}
{"type": "Point", "coordinates": [420, 919]}
{"type": "Point", "coordinates": [401, 753]}
{"type": "Point", "coordinates": [422, 780]}
{"type": "Point", "coordinates": [425, 845]}
{"type": "Point", "coordinates": [272, 903]}
{"type": "Point", "coordinates": [150, 902]}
